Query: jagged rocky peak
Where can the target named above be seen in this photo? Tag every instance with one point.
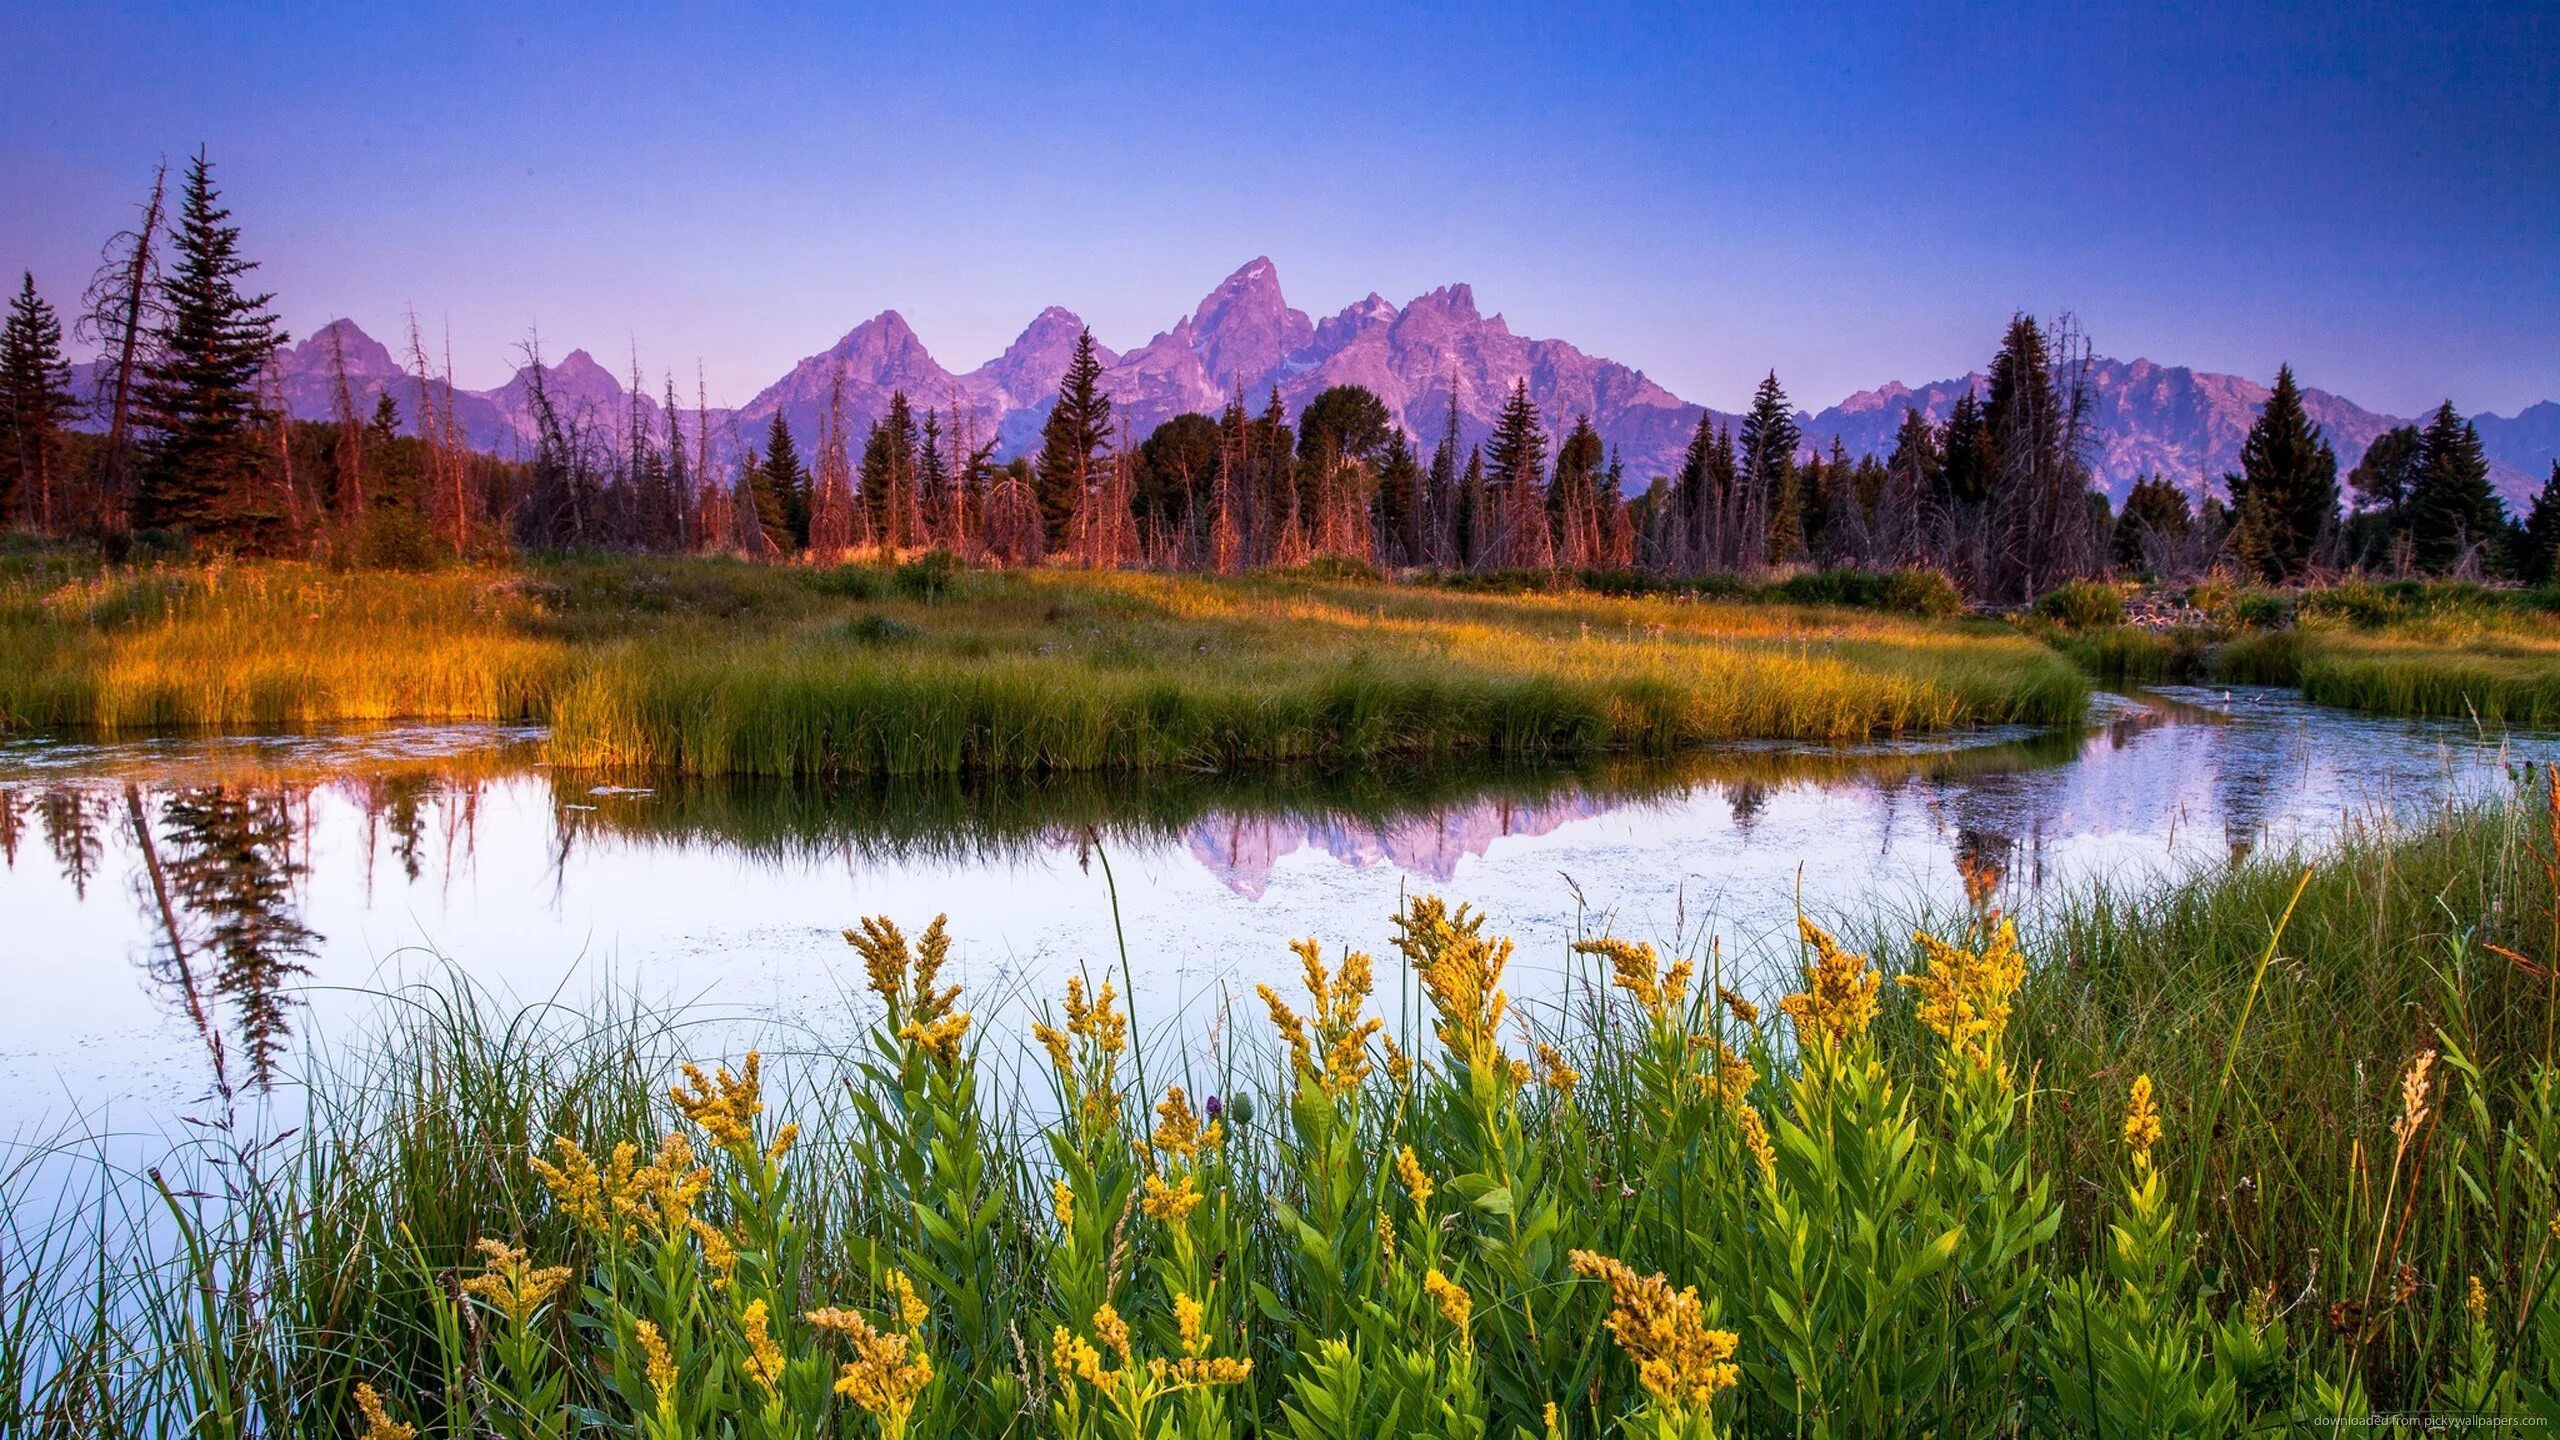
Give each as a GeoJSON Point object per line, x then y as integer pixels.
{"type": "Point", "coordinates": [1029, 369]}
{"type": "Point", "coordinates": [1337, 330]}
{"type": "Point", "coordinates": [1244, 328]}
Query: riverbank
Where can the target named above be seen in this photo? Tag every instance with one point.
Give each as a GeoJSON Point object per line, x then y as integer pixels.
{"type": "Point", "coordinates": [2394, 648]}
{"type": "Point", "coordinates": [712, 667]}
{"type": "Point", "coordinates": [2332, 1190]}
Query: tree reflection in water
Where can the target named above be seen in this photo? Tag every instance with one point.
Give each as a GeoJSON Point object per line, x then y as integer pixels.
{"type": "Point", "coordinates": [219, 873]}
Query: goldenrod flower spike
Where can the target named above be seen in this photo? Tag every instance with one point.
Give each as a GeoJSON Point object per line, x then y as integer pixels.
{"type": "Point", "coordinates": [882, 1378]}
{"type": "Point", "coordinates": [1839, 998]}
{"type": "Point", "coordinates": [2141, 1121]}
{"type": "Point", "coordinates": [764, 1363]}
{"type": "Point", "coordinates": [1417, 1181]}
{"type": "Point", "coordinates": [1964, 995]}
{"type": "Point", "coordinates": [662, 1366]}
{"type": "Point", "coordinates": [1636, 968]}
{"type": "Point", "coordinates": [724, 1106]}
{"type": "Point", "coordinates": [1461, 972]}
{"type": "Point", "coordinates": [378, 1424]}
{"type": "Point", "coordinates": [1559, 1076]}
{"type": "Point", "coordinates": [1456, 1305]}
{"type": "Point", "coordinates": [1680, 1362]}
{"type": "Point", "coordinates": [1755, 1138]}
{"type": "Point", "coordinates": [1743, 1010]}
{"type": "Point", "coordinates": [1170, 1203]}
{"type": "Point", "coordinates": [511, 1285]}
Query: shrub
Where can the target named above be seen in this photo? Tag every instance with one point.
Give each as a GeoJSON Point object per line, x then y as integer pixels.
{"type": "Point", "coordinates": [2083, 605]}
{"type": "Point", "coordinates": [881, 630]}
{"type": "Point", "coordinates": [930, 576]}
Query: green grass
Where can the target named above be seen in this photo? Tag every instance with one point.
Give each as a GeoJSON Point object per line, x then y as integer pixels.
{"type": "Point", "coordinates": [710, 667]}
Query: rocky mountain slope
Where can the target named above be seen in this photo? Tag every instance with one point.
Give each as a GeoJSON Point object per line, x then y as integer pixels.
{"type": "Point", "coordinates": [1244, 337]}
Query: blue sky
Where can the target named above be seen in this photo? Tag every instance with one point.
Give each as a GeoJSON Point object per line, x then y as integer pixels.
{"type": "Point", "coordinates": [1851, 196]}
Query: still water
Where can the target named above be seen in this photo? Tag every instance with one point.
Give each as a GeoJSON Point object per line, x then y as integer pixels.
{"type": "Point", "coordinates": [168, 908]}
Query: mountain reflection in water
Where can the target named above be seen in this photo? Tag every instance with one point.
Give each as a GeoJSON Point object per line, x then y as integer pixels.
{"type": "Point", "coordinates": [240, 879]}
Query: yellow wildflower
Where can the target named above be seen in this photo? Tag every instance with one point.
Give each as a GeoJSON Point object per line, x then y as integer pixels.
{"type": "Point", "coordinates": [593, 1197]}
{"type": "Point", "coordinates": [725, 1106]}
{"type": "Point", "coordinates": [1190, 1321]}
{"type": "Point", "coordinates": [511, 1285]}
{"type": "Point", "coordinates": [718, 1251]}
{"type": "Point", "coordinates": [378, 1424]}
{"type": "Point", "coordinates": [1755, 1138]}
{"type": "Point", "coordinates": [1637, 969]}
{"type": "Point", "coordinates": [1743, 1010]}
{"type": "Point", "coordinates": [1456, 1305]}
{"type": "Point", "coordinates": [1179, 1133]}
{"type": "Point", "coordinates": [939, 1039]}
{"type": "Point", "coordinates": [764, 1362]}
{"type": "Point", "coordinates": [2413, 1097]}
{"type": "Point", "coordinates": [1839, 998]}
{"type": "Point", "coordinates": [1417, 1181]}
{"type": "Point", "coordinates": [1551, 1418]}
{"type": "Point", "coordinates": [662, 1366]}
{"type": "Point", "coordinates": [1461, 972]}
{"type": "Point", "coordinates": [882, 1378]}
{"type": "Point", "coordinates": [1965, 995]}
{"type": "Point", "coordinates": [911, 1306]}
{"type": "Point", "coordinates": [1113, 1332]}
{"type": "Point", "coordinates": [1386, 1236]}
{"type": "Point", "coordinates": [2141, 1121]}
{"type": "Point", "coordinates": [1333, 1050]}
{"type": "Point", "coordinates": [1680, 1362]}
{"type": "Point", "coordinates": [2476, 1301]}
{"type": "Point", "coordinates": [902, 976]}
{"type": "Point", "coordinates": [783, 1140]}
{"type": "Point", "coordinates": [1734, 1075]}
{"type": "Point", "coordinates": [1399, 1064]}
{"type": "Point", "coordinates": [1559, 1076]}
{"type": "Point", "coordinates": [1172, 1203]}
{"type": "Point", "coordinates": [1062, 1201]}
{"type": "Point", "coordinates": [663, 1191]}
{"type": "Point", "coordinates": [1073, 1355]}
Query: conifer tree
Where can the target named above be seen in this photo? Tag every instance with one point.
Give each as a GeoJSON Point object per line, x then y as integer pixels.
{"type": "Point", "coordinates": [2286, 494]}
{"type": "Point", "coordinates": [2381, 482]}
{"type": "Point", "coordinates": [1400, 502]}
{"type": "Point", "coordinates": [1073, 441]}
{"type": "Point", "coordinates": [2154, 524]}
{"type": "Point", "coordinates": [199, 395]}
{"type": "Point", "coordinates": [35, 404]}
{"type": "Point", "coordinates": [1904, 534]}
{"type": "Point", "coordinates": [1515, 462]}
{"type": "Point", "coordinates": [1440, 507]}
{"type": "Point", "coordinates": [2538, 539]}
{"type": "Point", "coordinates": [1769, 440]}
{"type": "Point", "coordinates": [786, 481]}
{"type": "Point", "coordinates": [1573, 499]}
{"type": "Point", "coordinates": [1474, 513]}
{"type": "Point", "coordinates": [1696, 502]}
{"type": "Point", "coordinates": [2452, 511]}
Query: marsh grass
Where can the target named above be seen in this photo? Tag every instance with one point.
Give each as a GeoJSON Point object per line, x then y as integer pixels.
{"type": "Point", "coordinates": [709, 667]}
{"type": "Point", "coordinates": [1923, 1207]}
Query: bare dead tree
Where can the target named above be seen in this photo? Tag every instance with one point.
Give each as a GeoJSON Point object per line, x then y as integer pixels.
{"type": "Point", "coordinates": [118, 313]}
{"type": "Point", "coordinates": [349, 459]}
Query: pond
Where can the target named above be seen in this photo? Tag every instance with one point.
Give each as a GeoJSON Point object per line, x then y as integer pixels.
{"type": "Point", "coordinates": [176, 911]}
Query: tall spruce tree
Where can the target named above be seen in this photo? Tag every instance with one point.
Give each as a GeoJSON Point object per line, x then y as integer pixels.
{"type": "Point", "coordinates": [788, 482]}
{"type": "Point", "coordinates": [1516, 465]}
{"type": "Point", "coordinates": [1694, 500]}
{"type": "Point", "coordinates": [1573, 499]}
{"type": "Point", "coordinates": [35, 406]}
{"type": "Point", "coordinates": [1400, 502]}
{"type": "Point", "coordinates": [1769, 439]}
{"type": "Point", "coordinates": [2452, 511]}
{"type": "Point", "coordinates": [198, 397]}
{"type": "Point", "coordinates": [2286, 494]}
{"type": "Point", "coordinates": [1073, 441]}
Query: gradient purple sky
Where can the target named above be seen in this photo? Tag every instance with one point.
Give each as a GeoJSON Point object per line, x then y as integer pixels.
{"type": "Point", "coordinates": [2372, 193]}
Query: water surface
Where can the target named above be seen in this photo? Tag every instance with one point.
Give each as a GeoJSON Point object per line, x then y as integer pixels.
{"type": "Point", "coordinates": [174, 908]}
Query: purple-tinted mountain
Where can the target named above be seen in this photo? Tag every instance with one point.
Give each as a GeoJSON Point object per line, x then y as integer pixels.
{"type": "Point", "coordinates": [2187, 425]}
{"type": "Point", "coordinates": [1245, 336]}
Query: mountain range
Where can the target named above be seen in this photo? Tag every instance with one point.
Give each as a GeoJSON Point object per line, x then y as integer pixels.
{"type": "Point", "coordinates": [1244, 337]}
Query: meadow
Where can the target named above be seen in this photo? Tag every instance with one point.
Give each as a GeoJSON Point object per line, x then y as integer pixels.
{"type": "Point", "coordinates": [713, 667]}
{"type": "Point", "coordinates": [2260, 1150]}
